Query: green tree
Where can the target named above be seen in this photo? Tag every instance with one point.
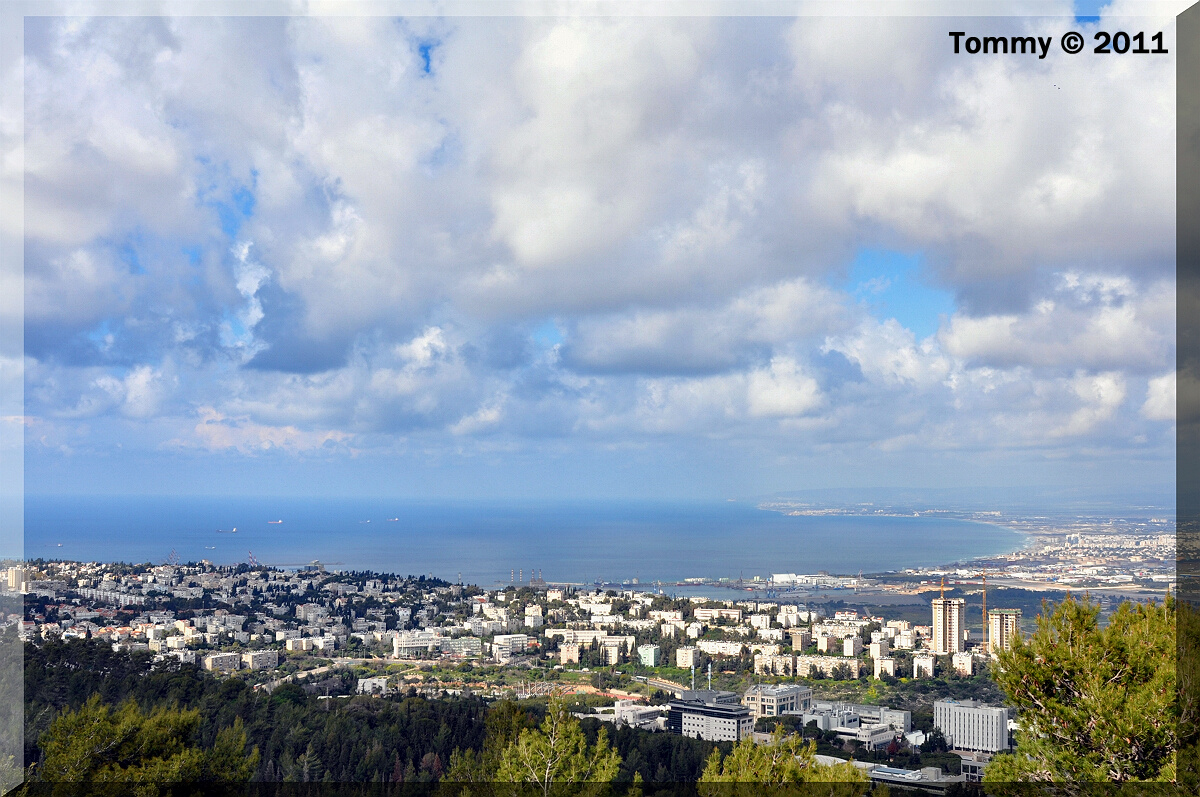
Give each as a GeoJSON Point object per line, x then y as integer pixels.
{"type": "Point", "coordinates": [556, 757]}
{"type": "Point", "coordinates": [785, 759]}
{"type": "Point", "coordinates": [1188, 661]}
{"type": "Point", "coordinates": [503, 725]}
{"type": "Point", "coordinates": [1096, 704]}
{"type": "Point", "coordinates": [140, 751]}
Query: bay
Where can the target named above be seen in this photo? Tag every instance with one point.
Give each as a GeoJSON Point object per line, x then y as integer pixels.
{"type": "Point", "coordinates": [494, 542]}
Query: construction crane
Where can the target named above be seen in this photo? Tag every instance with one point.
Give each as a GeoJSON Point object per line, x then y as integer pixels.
{"type": "Point", "coordinates": [986, 648]}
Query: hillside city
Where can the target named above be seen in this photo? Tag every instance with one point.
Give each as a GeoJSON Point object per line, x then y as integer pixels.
{"type": "Point", "coordinates": [633, 658]}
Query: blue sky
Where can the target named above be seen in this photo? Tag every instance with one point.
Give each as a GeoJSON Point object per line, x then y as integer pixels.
{"type": "Point", "coordinates": [592, 257]}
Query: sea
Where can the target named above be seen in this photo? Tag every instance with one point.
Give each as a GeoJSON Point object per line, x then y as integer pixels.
{"type": "Point", "coordinates": [490, 543]}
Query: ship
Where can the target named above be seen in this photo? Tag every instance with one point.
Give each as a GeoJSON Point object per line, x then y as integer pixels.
{"type": "Point", "coordinates": [274, 521]}
{"type": "Point", "coordinates": [231, 531]}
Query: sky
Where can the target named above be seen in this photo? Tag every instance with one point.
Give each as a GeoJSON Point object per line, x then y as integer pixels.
{"type": "Point", "coordinates": [593, 257]}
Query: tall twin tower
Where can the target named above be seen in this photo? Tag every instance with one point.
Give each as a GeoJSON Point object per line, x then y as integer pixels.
{"type": "Point", "coordinates": [949, 614]}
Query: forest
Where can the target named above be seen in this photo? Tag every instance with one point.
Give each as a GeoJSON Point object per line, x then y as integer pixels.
{"type": "Point", "coordinates": [303, 738]}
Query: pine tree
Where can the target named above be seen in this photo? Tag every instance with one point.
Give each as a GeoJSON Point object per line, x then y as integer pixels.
{"type": "Point", "coordinates": [783, 760]}
{"type": "Point", "coordinates": [1096, 704]}
{"type": "Point", "coordinates": [556, 758]}
{"type": "Point", "coordinates": [127, 746]}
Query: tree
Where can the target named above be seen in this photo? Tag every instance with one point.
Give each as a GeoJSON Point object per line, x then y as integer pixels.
{"type": "Point", "coordinates": [138, 750]}
{"type": "Point", "coordinates": [935, 742]}
{"type": "Point", "coordinates": [557, 755]}
{"type": "Point", "coordinates": [503, 725]}
{"type": "Point", "coordinates": [785, 759]}
{"type": "Point", "coordinates": [1188, 661]}
{"type": "Point", "coordinates": [1097, 704]}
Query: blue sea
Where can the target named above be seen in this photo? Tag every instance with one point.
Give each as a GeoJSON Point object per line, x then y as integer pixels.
{"type": "Point", "coordinates": [483, 543]}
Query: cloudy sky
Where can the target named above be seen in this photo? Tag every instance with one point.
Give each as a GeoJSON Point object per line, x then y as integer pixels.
{"type": "Point", "coordinates": [593, 257]}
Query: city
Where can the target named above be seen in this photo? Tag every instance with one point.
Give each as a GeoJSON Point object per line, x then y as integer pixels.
{"type": "Point", "coordinates": [626, 657]}
{"type": "Point", "coordinates": [724, 397]}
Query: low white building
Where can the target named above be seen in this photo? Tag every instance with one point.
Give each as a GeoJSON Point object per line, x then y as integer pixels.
{"type": "Point", "coordinates": [505, 645]}
{"type": "Point", "coordinates": [922, 666]}
{"type": "Point", "coordinates": [373, 686]}
{"type": "Point", "coordinates": [222, 662]}
{"type": "Point", "coordinates": [687, 657]}
{"type": "Point", "coordinates": [765, 700]}
{"type": "Point", "coordinates": [260, 659]}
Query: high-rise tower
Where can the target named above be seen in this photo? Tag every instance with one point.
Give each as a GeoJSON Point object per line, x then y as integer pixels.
{"type": "Point", "coordinates": [1004, 625]}
{"type": "Point", "coordinates": [948, 624]}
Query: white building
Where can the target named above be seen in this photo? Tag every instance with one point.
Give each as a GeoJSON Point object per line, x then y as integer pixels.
{"type": "Point", "coordinates": [260, 660]}
{"type": "Point", "coordinates": [711, 715]}
{"type": "Point", "coordinates": [687, 657]}
{"type": "Point", "coordinates": [509, 644]}
{"type": "Point", "coordinates": [630, 713]}
{"type": "Point", "coordinates": [222, 662]}
{"type": "Point", "coordinates": [373, 686]}
{"type": "Point", "coordinates": [783, 664]}
{"type": "Point", "coordinates": [411, 644]}
{"type": "Point", "coordinates": [806, 665]}
{"type": "Point", "coordinates": [461, 646]}
{"type": "Point", "coordinates": [765, 700]}
{"type": "Point", "coordinates": [923, 666]}
{"type": "Point", "coordinates": [971, 725]}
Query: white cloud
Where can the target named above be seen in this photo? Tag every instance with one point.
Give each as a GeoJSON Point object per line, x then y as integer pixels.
{"type": "Point", "coordinates": [1160, 398]}
{"type": "Point", "coordinates": [484, 418]}
{"type": "Point", "coordinates": [682, 196]}
{"type": "Point", "coordinates": [216, 432]}
{"type": "Point", "coordinates": [1101, 395]}
{"type": "Point", "coordinates": [697, 338]}
{"type": "Point", "coordinates": [1098, 321]}
{"type": "Point", "coordinates": [783, 390]}
{"type": "Point", "coordinates": [889, 353]}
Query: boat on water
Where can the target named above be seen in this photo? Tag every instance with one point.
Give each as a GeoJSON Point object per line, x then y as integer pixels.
{"type": "Point", "coordinates": [274, 521]}
{"type": "Point", "coordinates": [393, 519]}
{"type": "Point", "coordinates": [231, 531]}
